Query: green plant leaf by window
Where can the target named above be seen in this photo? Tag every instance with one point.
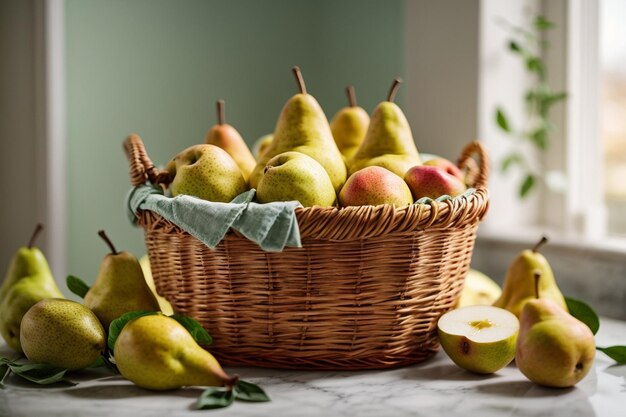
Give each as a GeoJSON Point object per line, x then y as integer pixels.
{"type": "Point", "coordinates": [510, 160]}
{"type": "Point", "coordinates": [540, 138]}
{"type": "Point", "coordinates": [534, 64]}
{"type": "Point", "coordinates": [527, 185]}
{"type": "Point", "coordinates": [502, 120]}
{"type": "Point", "coordinates": [542, 23]}
{"type": "Point", "coordinates": [514, 46]}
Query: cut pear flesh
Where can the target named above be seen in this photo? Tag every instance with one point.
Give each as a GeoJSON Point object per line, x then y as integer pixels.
{"type": "Point", "coordinates": [479, 338]}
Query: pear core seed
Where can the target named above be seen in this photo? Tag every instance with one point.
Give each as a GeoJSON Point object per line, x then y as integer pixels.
{"type": "Point", "coordinates": [481, 324]}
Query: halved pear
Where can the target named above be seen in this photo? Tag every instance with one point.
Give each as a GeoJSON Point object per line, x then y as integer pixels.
{"type": "Point", "coordinates": [479, 339]}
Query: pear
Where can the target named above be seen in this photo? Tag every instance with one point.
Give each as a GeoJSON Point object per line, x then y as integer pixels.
{"type": "Point", "coordinates": [480, 339]}
{"type": "Point", "coordinates": [554, 348]}
{"type": "Point", "coordinates": [372, 186]}
{"type": "Point", "coordinates": [261, 145]}
{"type": "Point", "coordinates": [28, 280]}
{"type": "Point", "coordinates": [296, 176]}
{"type": "Point", "coordinates": [228, 138]}
{"type": "Point", "coordinates": [156, 352]}
{"type": "Point", "coordinates": [432, 182]}
{"type": "Point", "coordinates": [519, 284]}
{"type": "Point", "coordinates": [207, 172]}
{"type": "Point", "coordinates": [388, 142]}
{"type": "Point", "coordinates": [164, 305]}
{"type": "Point", "coordinates": [120, 287]}
{"type": "Point", "coordinates": [349, 126]}
{"type": "Point", "coordinates": [478, 289]}
{"type": "Point", "coordinates": [446, 165]}
{"type": "Point", "coordinates": [62, 333]}
{"type": "Point", "coordinates": [303, 127]}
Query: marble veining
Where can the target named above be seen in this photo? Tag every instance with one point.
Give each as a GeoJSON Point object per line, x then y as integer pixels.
{"type": "Point", "coordinates": [434, 388]}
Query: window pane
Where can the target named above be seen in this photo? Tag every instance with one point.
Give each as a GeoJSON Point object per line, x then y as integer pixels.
{"type": "Point", "coordinates": [613, 119]}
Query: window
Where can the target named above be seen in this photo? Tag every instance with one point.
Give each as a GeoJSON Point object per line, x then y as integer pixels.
{"type": "Point", "coordinates": [613, 111]}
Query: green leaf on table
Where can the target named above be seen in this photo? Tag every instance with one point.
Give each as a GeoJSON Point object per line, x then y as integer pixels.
{"type": "Point", "coordinates": [39, 373]}
{"type": "Point", "coordinates": [247, 391]}
{"type": "Point", "coordinates": [215, 397]}
{"type": "Point", "coordinates": [76, 286]}
{"type": "Point", "coordinates": [617, 353]}
{"type": "Point", "coordinates": [4, 372]}
{"type": "Point", "coordinates": [542, 23]}
{"type": "Point", "coordinates": [583, 312]}
{"type": "Point", "coordinates": [198, 332]}
{"type": "Point", "coordinates": [104, 362]}
{"type": "Point", "coordinates": [118, 324]}
{"type": "Point", "coordinates": [527, 185]}
{"type": "Point", "coordinates": [502, 120]}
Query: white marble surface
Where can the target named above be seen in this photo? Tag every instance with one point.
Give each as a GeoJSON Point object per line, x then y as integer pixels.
{"type": "Point", "coordinates": [434, 388]}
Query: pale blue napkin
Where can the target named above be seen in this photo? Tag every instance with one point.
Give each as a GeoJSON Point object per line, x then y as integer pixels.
{"type": "Point", "coordinates": [272, 226]}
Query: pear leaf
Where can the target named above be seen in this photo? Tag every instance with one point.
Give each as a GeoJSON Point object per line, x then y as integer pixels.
{"type": "Point", "coordinates": [198, 332]}
{"type": "Point", "coordinates": [39, 373]}
{"type": "Point", "coordinates": [215, 397]}
{"type": "Point", "coordinates": [76, 286]}
{"type": "Point", "coordinates": [617, 353]}
{"type": "Point", "coordinates": [583, 312]}
{"type": "Point", "coordinates": [4, 372]}
{"type": "Point", "coordinates": [502, 120]}
{"type": "Point", "coordinates": [247, 391]}
{"type": "Point", "coordinates": [104, 361]}
{"type": "Point", "coordinates": [118, 324]}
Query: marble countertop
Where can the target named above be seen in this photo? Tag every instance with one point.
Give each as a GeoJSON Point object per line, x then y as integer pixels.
{"type": "Point", "coordinates": [434, 388]}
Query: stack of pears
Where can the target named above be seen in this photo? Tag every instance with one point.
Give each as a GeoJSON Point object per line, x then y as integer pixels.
{"type": "Point", "coordinates": [27, 282]}
{"type": "Point", "coordinates": [308, 159]}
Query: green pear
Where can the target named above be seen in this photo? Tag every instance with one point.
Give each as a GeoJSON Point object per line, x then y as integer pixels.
{"type": "Point", "coordinates": [478, 289]}
{"type": "Point", "coordinates": [156, 352]}
{"type": "Point", "coordinates": [296, 176]}
{"type": "Point", "coordinates": [28, 280]}
{"type": "Point", "coordinates": [120, 287]}
{"type": "Point", "coordinates": [554, 348]}
{"type": "Point", "coordinates": [261, 145]}
{"type": "Point", "coordinates": [519, 284]}
{"type": "Point", "coordinates": [62, 333]}
{"type": "Point", "coordinates": [303, 127]}
{"type": "Point", "coordinates": [480, 339]}
{"type": "Point", "coordinates": [228, 138]}
{"type": "Point", "coordinates": [207, 172]}
{"type": "Point", "coordinates": [388, 142]}
{"type": "Point", "coordinates": [349, 126]}
{"type": "Point", "coordinates": [164, 305]}
{"type": "Point", "coordinates": [372, 186]}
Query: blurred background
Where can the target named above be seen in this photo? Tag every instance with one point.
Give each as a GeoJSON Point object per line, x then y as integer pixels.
{"type": "Point", "coordinates": [77, 76]}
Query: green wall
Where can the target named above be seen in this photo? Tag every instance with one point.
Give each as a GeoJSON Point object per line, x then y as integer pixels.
{"type": "Point", "coordinates": [157, 67]}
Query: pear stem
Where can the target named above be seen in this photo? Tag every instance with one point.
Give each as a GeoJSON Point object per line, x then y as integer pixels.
{"type": "Point", "coordinates": [299, 79]}
{"type": "Point", "coordinates": [108, 241]}
{"type": "Point", "coordinates": [351, 96]}
{"type": "Point", "coordinates": [221, 113]}
{"type": "Point", "coordinates": [394, 89]}
{"type": "Point", "coordinates": [33, 237]}
{"type": "Point", "coordinates": [230, 383]}
{"type": "Point", "coordinates": [537, 278]}
{"type": "Point", "coordinates": [539, 244]}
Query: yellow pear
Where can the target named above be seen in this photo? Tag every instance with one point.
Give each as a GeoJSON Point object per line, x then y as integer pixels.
{"type": "Point", "coordinates": [120, 287]}
{"type": "Point", "coordinates": [388, 142]}
{"type": "Point", "coordinates": [156, 352]}
{"type": "Point", "coordinates": [479, 289]}
{"type": "Point", "coordinates": [28, 280]}
{"type": "Point", "coordinates": [228, 138]}
{"type": "Point", "coordinates": [303, 127]}
{"type": "Point", "coordinates": [519, 284]}
{"type": "Point", "coordinates": [349, 126]}
{"type": "Point", "coordinates": [165, 306]}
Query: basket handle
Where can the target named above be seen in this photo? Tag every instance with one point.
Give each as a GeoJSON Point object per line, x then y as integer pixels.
{"type": "Point", "coordinates": [141, 167]}
{"type": "Point", "coordinates": [479, 174]}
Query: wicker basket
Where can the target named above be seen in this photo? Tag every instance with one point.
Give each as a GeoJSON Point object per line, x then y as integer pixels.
{"type": "Point", "coordinates": [365, 290]}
